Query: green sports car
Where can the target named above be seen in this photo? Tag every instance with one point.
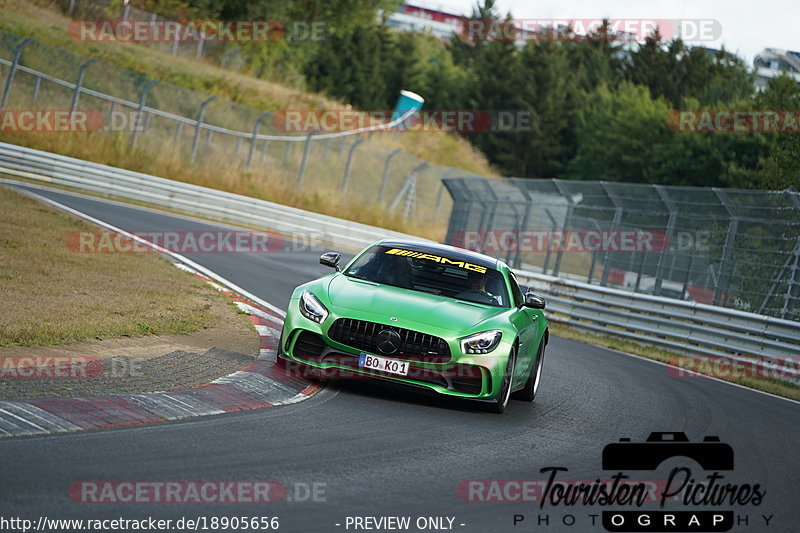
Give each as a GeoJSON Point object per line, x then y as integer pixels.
{"type": "Point", "coordinates": [426, 315]}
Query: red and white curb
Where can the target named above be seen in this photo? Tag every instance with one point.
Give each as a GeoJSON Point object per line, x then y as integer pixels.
{"type": "Point", "coordinates": [261, 384]}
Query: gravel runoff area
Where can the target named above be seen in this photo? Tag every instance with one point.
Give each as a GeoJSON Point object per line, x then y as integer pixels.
{"type": "Point", "coordinates": [118, 374]}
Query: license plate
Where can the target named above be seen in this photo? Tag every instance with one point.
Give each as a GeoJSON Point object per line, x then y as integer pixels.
{"type": "Point", "coordinates": [392, 366]}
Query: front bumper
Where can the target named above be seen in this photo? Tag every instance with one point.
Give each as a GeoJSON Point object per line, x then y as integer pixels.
{"type": "Point", "coordinates": [308, 351]}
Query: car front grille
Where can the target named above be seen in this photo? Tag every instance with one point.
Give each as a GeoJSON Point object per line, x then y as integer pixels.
{"type": "Point", "coordinates": [415, 346]}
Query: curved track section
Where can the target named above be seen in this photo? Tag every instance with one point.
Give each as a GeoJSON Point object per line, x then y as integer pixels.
{"type": "Point", "coordinates": [382, 452]}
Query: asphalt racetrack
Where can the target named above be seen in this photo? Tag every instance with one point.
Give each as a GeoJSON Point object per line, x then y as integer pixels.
{"type": "Point", "coordinates": [359, 449]}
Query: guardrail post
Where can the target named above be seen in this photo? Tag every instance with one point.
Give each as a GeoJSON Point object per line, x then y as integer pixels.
{"type": "Point", "coordinates": [385, 174]}
{"type": "Point", "coordinates": [138, 122]}
{"type": "Point", "coordinates": [303, 162]}
{"type": "Point", "coordinates": [254, 138]}
{"type": "Point", "coordinates": [79, 83]}
{"type": "Point", "coordinates": [200, 112]}
{"type": "Point", "coordinates": [349, 165]}
{"type": "Point", "coordinates": [12, 70]}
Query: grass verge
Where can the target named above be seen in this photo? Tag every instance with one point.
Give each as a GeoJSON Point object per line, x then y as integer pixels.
{"type": "Point", "coordinates": [772, 386]}
{"type": "Point", "coordinates": [42, 20]}
{"type": "Point", "coordinates": [51, 295]}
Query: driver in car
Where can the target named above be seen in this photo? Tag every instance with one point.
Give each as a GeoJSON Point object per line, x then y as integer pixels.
{"type": "Point", "coordinates": [477, 289]}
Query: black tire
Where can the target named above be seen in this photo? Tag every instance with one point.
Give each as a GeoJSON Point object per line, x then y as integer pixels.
{"type": "Point", "coordinates": [499, 404]}
{"type": "Point", "coordinates": [528, 393]}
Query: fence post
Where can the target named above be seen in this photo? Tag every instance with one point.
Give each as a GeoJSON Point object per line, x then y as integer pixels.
{"type": "Point", "coordinates": [733, 227]}
{"type": "Point", "coordinates": [200, 46]}
{"type": "Point", "coordinates": [794, 282]}
{"type": "Point", "coordinates": [303, 162]}
{"type": "Point", "coordinates": [138, 122]}
{"type": "Point", "coordinates": [385, 175]}
{"type": "Point", "coordinates": [615, 222]}
{"type": "Point", "coordinates": [175, 43]}
{"type": "Point", "coordinates": [441, 189]}
{"type": "Point", "coordinates": [12, 70]}
{"type": "Point", "coordinates": [79, 83]}
{"type": "Point", "coordinates": [264, 150]}
{"type": "Point", "coordinates": [348, 165]}
{"type": "Point", "coordinates": [408, 191]}
{"type": "Point", "coordinates": [287, 153]}
{"type": "Point", "coordinates": [178, 131]}
{"type": "Point", "coordinates": [254, 139]}
{"type": "Point", "coordinates": [567, 219]}
{"type": "Point", "coordinates": [200, 112]}
{"type": "Point", "coordinates": [36, 88]}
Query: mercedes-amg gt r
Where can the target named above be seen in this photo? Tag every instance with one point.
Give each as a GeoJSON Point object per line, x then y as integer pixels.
{"type": "Point", "coordinates": [427, 315]}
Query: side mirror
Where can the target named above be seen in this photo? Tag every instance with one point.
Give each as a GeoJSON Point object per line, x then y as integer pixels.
{"type": "Point", "coordinates": [330, 259]}
{"type": "Point", "coordinates": [534, 301]}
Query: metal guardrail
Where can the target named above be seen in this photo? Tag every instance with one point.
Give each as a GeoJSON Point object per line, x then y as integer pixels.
{"type": "Point", "coordinates": [192, 199]}
{"type": "Point", "coordinates": [688, 328]}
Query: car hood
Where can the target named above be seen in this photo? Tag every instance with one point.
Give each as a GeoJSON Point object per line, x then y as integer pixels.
{"type": "Point", "coordinates": [377, 303]}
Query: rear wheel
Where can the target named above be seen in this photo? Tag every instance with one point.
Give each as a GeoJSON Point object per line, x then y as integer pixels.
{"type": "Point", "coordinates": [499, 404]}
{"type": "Point", "coordinates": [528, 393]}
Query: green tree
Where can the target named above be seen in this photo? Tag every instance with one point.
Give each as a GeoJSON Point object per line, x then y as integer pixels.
{"type": "Point", "coordinates": [620, 135]}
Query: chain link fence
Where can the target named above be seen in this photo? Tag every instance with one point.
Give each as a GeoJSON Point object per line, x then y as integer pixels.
{"type": "Point", "coordinates": [729, 247]}
{"type": "Point", "coordinates": [363, 168]}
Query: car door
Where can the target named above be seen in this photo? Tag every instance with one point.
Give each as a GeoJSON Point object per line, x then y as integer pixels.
{"type": "Point", "coordinates": [525, 320]}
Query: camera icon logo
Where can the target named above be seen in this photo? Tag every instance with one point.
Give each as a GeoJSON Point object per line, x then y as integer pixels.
{"type": "Point", "coordinates": [710, 454]}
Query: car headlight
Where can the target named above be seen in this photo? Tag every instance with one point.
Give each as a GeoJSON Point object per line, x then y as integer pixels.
{"type": "Point", "coordinates": [312, 308]}
{"type": "Point", "coordinates": [483, 342]}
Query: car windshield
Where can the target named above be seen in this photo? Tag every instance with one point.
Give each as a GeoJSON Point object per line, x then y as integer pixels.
{"type": "Point", "coordinates": [431, 273]}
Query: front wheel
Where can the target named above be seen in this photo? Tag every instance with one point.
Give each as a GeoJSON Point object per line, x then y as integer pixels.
{"type": "Point", "coordinates": [528, 393]}
{"type": "Point", "coordinates": [499, 404]}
